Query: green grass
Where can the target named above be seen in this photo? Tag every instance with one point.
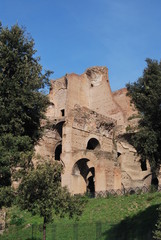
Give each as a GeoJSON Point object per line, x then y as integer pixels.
{"type": "Point", "coordinates": [130, 217]}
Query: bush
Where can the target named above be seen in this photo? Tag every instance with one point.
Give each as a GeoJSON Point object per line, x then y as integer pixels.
{"type": "Point", "coordinates": [157, 232]}
{"type": "Point", "coordinates": [16, 220]}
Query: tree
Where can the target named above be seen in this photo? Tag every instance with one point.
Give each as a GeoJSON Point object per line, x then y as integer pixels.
{"type": "Point", "coordinates": [6, 196]}
{"type": "Point", "coordinates": [22, 105]}
{"type": "Point", "coordinates": [145, 93]}
{"type": "Point", "coordinates": [40, 192]}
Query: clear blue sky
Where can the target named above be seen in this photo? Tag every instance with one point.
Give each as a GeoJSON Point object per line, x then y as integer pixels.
{"type": "Point", "coordinates": [72, 35]}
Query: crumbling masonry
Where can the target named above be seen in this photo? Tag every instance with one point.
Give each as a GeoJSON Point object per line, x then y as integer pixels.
{"type": "Point", "coordinates": [86, 131]}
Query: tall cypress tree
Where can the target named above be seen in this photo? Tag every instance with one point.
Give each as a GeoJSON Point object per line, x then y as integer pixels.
{"type": "Point", "coordinates": [22, 105]}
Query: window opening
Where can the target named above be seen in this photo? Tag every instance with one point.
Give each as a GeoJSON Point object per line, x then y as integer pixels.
{"type": "Point", "coordinates": [118, 154]}
{"type": "Point", "coordinates": [63, 112]}
{"type": "Point", "coordinates": [143, 165]}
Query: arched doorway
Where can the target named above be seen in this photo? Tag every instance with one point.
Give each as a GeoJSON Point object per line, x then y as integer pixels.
{"type": "Point", "coordinates": [59, 128]}
{"type": "Point", "coordinates": [93, 143]}
{"type": "Point", "coordinates": [83, 177]}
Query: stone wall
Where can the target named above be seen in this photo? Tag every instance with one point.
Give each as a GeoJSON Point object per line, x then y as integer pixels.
{"type": "Point", "coordinates": [86, 131]}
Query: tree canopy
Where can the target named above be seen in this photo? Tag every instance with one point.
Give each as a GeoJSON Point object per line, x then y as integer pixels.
{"type": "Point", "coordinates": [40, 192]}
{"type": "Point", "coordinates": [22, 105]}
{"type": "Point", "coordinates": [145, 93]}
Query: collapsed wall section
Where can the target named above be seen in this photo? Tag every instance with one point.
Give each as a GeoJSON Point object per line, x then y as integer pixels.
{"type": "Point", "coordinates": [101, 97]}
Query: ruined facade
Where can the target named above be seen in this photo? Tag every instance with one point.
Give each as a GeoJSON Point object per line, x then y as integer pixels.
{"type": "Point", "coordinates": [86, 131]}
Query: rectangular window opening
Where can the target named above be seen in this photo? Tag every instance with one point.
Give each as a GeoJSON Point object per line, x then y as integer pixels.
{"type": "Point", "coordinates": [63, 112]}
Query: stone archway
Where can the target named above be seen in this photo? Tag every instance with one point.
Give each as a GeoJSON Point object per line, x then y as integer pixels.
{"type": "Point", "coordinates": [83, 177]}
{"type": "Point", "coordinates": [93, 143]}
{"type": "Point", "coordinates": [72, 177]}
{"type": "Point", "coordinates": [59, 128]}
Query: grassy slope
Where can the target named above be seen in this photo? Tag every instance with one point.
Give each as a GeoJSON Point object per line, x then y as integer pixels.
{"type": "Point", "coordinates": [122, 217]}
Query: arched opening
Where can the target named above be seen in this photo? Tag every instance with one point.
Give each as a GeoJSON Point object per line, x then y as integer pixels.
{"type": "Point", "coordinates": [93, 143]}
{"type": "Point", "coordinates": [118, 154]}
{"type": "Point", "coordinates": [51, 105]}
{"type": "Point", "coordinates": [81, 169]}
{"type": "Point", "coordinates": [58, 151]}
{"type": "Point", "coordinates": [59, 128]}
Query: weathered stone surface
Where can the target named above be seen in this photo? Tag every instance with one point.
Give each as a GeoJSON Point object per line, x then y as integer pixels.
{"type": "Point", "coordinates": [86, 131]}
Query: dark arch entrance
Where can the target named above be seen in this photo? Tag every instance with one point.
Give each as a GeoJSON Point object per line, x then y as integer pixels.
{"type": "Point", "coordinates": [93, 143]}
{"type": "Point", "coordinates": [58, 151]}
{"type": "Point", "coordinates": [81, 168]}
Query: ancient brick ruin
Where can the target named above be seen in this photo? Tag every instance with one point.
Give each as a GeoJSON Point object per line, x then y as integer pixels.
{"type": "Point", "coordinates": [86, 130]}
